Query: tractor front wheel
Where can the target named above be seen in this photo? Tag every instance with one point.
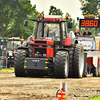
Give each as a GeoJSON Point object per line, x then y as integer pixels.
{"type": "Point", "coordinates": [19, 63]}
{"type": "Point", "coordinates": [61, 67]}
{"type": "Point", "coordinates": [70, 75]}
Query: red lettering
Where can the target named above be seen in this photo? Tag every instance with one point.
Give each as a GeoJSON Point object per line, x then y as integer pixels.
{"type": "Point", "coordinates": [95, 23]}
{"type": "Point", "coordinates": [91, 23]}
{"type": "Point", "coordinates": [87, 23]}
{"type": "Point", "coordinates": [82, 22]}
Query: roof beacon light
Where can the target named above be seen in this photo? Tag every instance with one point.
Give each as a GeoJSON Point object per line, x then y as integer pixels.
{"type": "Point", "coordinates": [38, 15]}
{"type": "Point", "coordinates": [67, 16]}
{"type": "Point", "coordinates": [99, 15]}
{"type": "Point", "coordinates": [22, 37]}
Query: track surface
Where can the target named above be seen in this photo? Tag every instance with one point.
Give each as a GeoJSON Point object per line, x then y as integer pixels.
{"type": "Point", "coordinates": [44, 88]}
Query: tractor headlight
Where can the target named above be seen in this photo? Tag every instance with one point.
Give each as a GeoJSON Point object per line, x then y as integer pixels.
{"type": "Point", "coordinates": [10, 54]}
{"type": "Point", "coordinates": [44, 54]}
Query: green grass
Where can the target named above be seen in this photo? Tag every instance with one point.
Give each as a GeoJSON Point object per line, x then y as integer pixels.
{"type": "Point", "coordinates": [95, 98]}
{"type": "Point", "coordinates": [7, 70]}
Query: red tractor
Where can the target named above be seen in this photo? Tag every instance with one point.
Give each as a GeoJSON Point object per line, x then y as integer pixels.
{"type": "Point", "coordinates": [51, 52]}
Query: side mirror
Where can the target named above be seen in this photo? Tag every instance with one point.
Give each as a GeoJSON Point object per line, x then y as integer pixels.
{"type": "Point", "coordinates": [69, 25]}
{"type": "Point", "coordinates": [25, 22]}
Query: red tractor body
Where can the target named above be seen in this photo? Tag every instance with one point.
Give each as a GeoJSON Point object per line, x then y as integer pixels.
{"type": "Point", "coordinates": [49, 53]}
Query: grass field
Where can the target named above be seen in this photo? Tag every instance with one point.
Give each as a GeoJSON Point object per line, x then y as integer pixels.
{"type": "Point", "coordinates": [7, 70]}
{"type": "Point", "coordinates": [94, 98]}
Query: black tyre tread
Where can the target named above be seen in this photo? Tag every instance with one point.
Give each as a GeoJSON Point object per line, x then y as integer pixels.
{"type": "Point", "coordinates": [8, 65]}
{"type": "Point", "coordinates": [30, 48]}
{"type": "Point", "coordinates": [98, 68]}
{"type": "Point", "coordinates": [70, 75]}
{"type": "Point", "coordinates": [95, 71]}
{"type": "Point", "coordinates": [19, 63]}
{"type": "Point", "coordinates": [99, 71]}
{"type": "Point", "coordinates": [85, 66]}
{"type": "Point", "coordinates": [59, 67]}
{"type": "Point", "coordinates": [76, 61]}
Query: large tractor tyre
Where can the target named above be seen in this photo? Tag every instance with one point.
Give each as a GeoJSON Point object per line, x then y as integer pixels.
{"type": "Point", "coordinates": [8, 65]}
{"type": "Point", "coordinates": [4, 63]}
{"type": "Point", "coordinates": [19, 63]}
{"type": "Point", "coordinates": [1, 62]}
{"type": "Point", "coordinates": [61, 66]}
{"type": "Point", "coordinates": [78, 62]}
{"type": "Point", "coordinates": [96, 70]}
{"type": "Point", "coordinates": [99, 71]}
{"type": "Point", "coordinates": [30, 48]}
{"type": "Point", "coordinates": [85, 67]}
{"type": "Point", "coordinates": [70, 75]}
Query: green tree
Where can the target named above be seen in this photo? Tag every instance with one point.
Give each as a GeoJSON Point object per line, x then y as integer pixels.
{"type": "Point", "coordinates": [17, 29]}
{"type": "Point", "coordinates": [54, 11]}
{"type": "Point", "coordinates": [11, 12]}
{"type": "Point", "coordinates": [90, 7]}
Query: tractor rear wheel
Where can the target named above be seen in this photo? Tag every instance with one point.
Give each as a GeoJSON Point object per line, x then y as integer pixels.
{"type": "Point", "coordinates": [19, 63]}
{"type": "Point", "coordinates": [78, 61]}
{"type": "Point", "coordinates": [70, 75]}
{"type": "Point", "coordinates": [8, 65]}
{"type": "Point", "coordinates": [96, 70]}
{"type": "Point", "coordinates": [61, 67]}
{"type": "Point", "coordinates": [99, 71]}
{"type": "Point", "coordinates": [85, 66]}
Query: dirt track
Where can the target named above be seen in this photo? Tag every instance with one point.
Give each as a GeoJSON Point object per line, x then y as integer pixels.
{"type": "Point", "coordinates": [29, 88]}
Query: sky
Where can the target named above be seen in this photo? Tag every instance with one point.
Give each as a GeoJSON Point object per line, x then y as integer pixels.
{"type": "Point", "coordinates": [70, 6]}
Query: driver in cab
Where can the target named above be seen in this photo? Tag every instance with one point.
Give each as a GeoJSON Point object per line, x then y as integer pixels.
{"type": "Point", "coordinates": [87, 33]}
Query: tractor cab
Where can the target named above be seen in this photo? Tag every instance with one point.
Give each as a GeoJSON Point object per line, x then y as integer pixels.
{"type": "Point", "coordinates": [50, 27]}
{"type": "Point", "coordinates": [12, 44]}
{"type": "Point", "coordinates": [50, 32]}
{"type": "Point", "coordinates": [53, 28]}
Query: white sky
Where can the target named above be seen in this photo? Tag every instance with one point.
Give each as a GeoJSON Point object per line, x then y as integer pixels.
{"type": "Point", "coordinates": [70, 6]}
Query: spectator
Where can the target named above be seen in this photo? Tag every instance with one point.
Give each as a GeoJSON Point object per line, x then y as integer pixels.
{"type": "Point", "coordinates": [77, 33]}
{"type": "Point", "coordinates": [87, 33]}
